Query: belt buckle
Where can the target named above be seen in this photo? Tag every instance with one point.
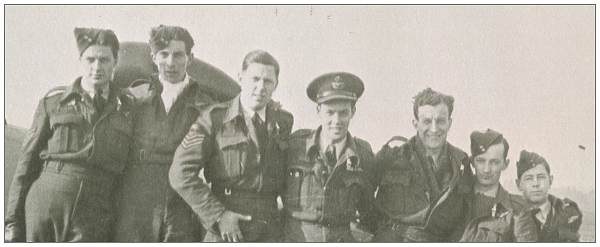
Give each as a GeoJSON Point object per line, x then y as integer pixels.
{"type": "Point", "coordinates": [142, 155]}
{"type": "Point", "coordinates": [227, 191]}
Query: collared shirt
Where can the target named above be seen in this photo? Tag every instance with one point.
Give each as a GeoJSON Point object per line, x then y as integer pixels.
{"type": "Point", "coordinates": [172, 90]}
{"type": "Point", "coordinates": [339, 146]}
{"type": "Point", "coordinates": [91, 91]}
{"type": "Point", "coordinates": [482, 204]}
{"type": "Point", "coordinates": [441, 170]}
{"type": "Point", "coordinates": [543, 213]}
{"type": "Point", "coordinates": [489, 193]}
{"type": "Point", "coordinates": [249, 113]}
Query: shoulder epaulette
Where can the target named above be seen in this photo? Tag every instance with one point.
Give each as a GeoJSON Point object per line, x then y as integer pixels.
{"type": "Point", "coordinates": [208, 114]}
{"type": "Point", "coordinates": [55, 91]}
{"type": "Point", "coordinates": [362, 143]}
{"type": "Point", "coordinates": [286, 117]}
{"type": "Point", "coordinates": [568, 202]}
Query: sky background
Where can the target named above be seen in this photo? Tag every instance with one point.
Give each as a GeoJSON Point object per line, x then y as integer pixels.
{"type": "Point", "coordinates": [526, 71]}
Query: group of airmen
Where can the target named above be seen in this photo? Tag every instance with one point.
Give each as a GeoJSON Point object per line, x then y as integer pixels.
{"type": "Point", "coordinates": [162, 161]}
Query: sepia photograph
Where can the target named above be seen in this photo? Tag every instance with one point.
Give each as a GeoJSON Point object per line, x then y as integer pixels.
{"type": "Point", "coordinates": [300, 123]}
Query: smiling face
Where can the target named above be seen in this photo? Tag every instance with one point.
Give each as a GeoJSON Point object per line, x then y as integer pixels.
{"type": "Point", "coordinates": [258, 82]}
{"type": "Point", "coordinates": [534, 184]}
{"type": "Point", "coordinates": [432, 125]}
{"type": "Point", "coordinates": [335, 116]}
{"type": "Point", "coordinates": [97, 65]}
{"type": "Point", "coordinates": [172, 61]}
{"type": "Point", "coordinates": [489, 165]}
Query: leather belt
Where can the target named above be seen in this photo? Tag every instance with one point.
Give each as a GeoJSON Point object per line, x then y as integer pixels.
{"type": "Point", "coordinates": [237, 193]}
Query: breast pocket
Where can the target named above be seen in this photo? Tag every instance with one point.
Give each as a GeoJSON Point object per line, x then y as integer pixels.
{"type": "Point", "coordinates": [401, 194]}
{"type": "Point", "coordinates": [294, 180]}
{"type": "Point", "coordinates": [235, 153]}
{"type": "Point", "coordinates": [68, 132]}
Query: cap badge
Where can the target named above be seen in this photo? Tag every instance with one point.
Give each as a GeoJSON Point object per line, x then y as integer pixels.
{"type": "Point", "coordinates": [337, 84]}
{"type": "Point", "coordinates": [482, 148]}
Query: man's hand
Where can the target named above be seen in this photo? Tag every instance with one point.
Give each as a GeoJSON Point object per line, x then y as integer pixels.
{"type": "Point", "coordinates": [229, 226]}
{"type": "Point", "coordinates": [12, 233]}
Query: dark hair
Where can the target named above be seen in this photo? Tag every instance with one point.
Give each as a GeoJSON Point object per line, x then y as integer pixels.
{"type": "Point", "coordinates": [262, 57]}
{"type": "Point", "coordinates": [433, 98]}
{"type": "Point", "coordinates": [161, 36]}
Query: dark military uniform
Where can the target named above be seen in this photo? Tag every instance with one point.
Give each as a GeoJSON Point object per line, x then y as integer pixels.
{"type": "Point", "coordinates": [327, 189]}
{"type": "Point", "coordinates": [414, 202]}
{"type": "Point", "coordinates": [562, 223]}
{"type": "Point", "coordinates": [72, 156]}
{"type": "Point", "coordinates": [320, 204]}
{"type": "Point", "coordinates": [504, 219]}
{"type": "Point", "coordinates": [564, 217]}
{"type": "Point", "coordinates": [245, 180]}
{"type": "Point", "coordinates": [149, 210]}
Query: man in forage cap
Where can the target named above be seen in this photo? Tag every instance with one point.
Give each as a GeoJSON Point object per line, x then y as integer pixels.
{"type": "Point", "coordinates": [489, 204]}
{"type": "Point", "coordinates": [73, 154]}
{"type": "Point", "coordinates": [329, 171]}
{"type": "Point", "coordinates": [558, 220]}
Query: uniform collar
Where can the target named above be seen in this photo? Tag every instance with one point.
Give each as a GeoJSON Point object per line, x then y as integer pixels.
{"type": "Point", "coordinates": [339, 147]}
{"type": "Point", "coordinates": [441, 159]}
{"type": "Point", "coordinates": [177, 87]}
{"type": "Point", "coordinates": [542, 214]}
{"type": "Point", "coordinates": [262, 113]}
{"type": "Point", "coordinates": [313, 145]}
{"type": "Point", "coordinates": [503, 197]}
{"type": "Point", "coordinates": [76, 89]}
{"type": "Point", "coordinates": [487, 193]}
{"type": "Point", "coordinates": [235, 110]}
{"type": "Point", "coordinates": [156, 88]}
{"type": "Point", "coordinates": [91, 91]}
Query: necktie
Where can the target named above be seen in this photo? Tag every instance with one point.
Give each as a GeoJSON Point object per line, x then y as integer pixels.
{"type": "Point", "coordinates": [537, 213]}
{"type": "Point", "coordinates": [330, 156]}
{"type": "Point", "coordinates": [99, 101]}
{"type": "Point", "coordinates": [261, 132]}
{"type": "Point", "coordinates": [540, 216]}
